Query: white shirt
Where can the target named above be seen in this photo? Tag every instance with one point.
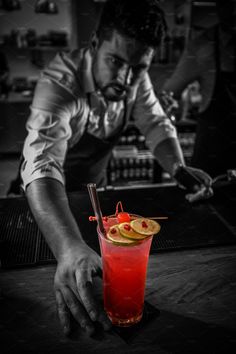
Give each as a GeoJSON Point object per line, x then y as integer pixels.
{"type": "Point", "coordinates": [60, 110]}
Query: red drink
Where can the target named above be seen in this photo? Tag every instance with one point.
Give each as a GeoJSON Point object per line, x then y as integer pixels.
{"type": "Point", "coordinates": [124, 277]}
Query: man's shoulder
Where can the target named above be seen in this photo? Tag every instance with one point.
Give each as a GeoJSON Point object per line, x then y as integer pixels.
{"type": "Point", "coordinates": [64, 70]}
{"type": "Point", "coordinates": [66, 61]}
{"type": "Point", "coordinates": [76, 56]}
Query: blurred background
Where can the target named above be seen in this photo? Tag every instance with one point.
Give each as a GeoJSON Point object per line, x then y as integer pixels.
{"type": "Point", "coordinates": [31, 32]}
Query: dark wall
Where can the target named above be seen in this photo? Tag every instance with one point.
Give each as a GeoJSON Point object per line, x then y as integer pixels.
{"type": "Point", "coordinates": [85, 14]}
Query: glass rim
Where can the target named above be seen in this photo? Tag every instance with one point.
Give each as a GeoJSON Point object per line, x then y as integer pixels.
{"type": "Point", "coordinates": [135, 243]}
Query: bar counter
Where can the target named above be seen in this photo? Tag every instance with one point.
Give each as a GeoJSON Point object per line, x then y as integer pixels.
{"type": "Point", "coordinates": [190, 289]}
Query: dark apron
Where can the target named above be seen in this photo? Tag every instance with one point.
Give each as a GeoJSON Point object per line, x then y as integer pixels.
{"type": "Point", "coordinates": [87, 161]}
{"type": "Point", "coordinates": [215, 146]}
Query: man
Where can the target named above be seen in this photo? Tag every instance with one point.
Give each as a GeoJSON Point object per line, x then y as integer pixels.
{"type": "Point", "coordinates": [82, 103]}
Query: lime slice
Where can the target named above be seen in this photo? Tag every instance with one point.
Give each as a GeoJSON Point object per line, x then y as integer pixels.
{"type": "Point", "coordinates": [127, 231]}
{"type": "Point", "coordinates": [115, 236]}
{"type": "Point", "coordinates": [145, 226]}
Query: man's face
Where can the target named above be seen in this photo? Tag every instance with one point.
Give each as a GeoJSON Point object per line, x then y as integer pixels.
{"type": "Point", "coordinates": [118, 64]}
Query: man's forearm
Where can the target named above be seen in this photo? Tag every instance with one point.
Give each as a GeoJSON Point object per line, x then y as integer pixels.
{"type": "Point", "coordinates": [49, 204]}
{"type": "Point", "coordinates": [169, 153]}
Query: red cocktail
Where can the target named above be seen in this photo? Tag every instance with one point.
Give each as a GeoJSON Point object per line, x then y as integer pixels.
{"type": "Point", "coordinates": [125, 261]}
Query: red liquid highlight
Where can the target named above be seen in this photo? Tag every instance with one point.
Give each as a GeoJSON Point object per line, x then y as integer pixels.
{"type": "Point", "coordinates": [124, 278]}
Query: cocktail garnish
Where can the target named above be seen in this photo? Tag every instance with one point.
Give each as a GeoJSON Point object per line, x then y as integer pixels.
{"type": "Point", "coordinates": [123, 217]}
{"type": "Point", "coordinates": [115, 236]}
{"type": "Point", "coordinates": [127, 231]}
{"type": "Point", "coordinates": [145, 226]}
{"type": "Point", "coordinates": [119, 204]}
{"type": "Point", "coordinates": [94, 218]}
{"type": "Point", "coordinates": [127, 227]}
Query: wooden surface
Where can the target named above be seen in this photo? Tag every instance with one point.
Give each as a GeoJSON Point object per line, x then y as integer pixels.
{"type": "Point", "coordinates": [194, 291]}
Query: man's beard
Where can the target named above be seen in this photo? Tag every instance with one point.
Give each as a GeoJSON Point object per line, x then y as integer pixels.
{"type": "Point", "coordinates": [114, 92]}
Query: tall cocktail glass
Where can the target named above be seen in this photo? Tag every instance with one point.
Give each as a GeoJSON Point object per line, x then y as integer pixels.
{"type": "Point", "coordinates": [124, 278]}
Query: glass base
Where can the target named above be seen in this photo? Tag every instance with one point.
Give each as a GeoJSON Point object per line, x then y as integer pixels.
{"type": "Point", "coordinates": [125, 322]}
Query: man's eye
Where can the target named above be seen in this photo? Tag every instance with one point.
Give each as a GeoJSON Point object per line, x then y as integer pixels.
{"type": "Point", "coordinates": [115, 61]}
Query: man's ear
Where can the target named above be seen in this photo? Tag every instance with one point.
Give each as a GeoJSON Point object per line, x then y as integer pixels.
{"type": "Point", "coordinates": [94, 42]}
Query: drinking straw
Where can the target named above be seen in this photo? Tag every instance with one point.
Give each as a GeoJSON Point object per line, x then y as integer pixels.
{"type": "Point", "coordinates": [96, 205]}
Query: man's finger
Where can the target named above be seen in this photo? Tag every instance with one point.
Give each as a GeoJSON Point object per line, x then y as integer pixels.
{"type": "Point", "coordinates": [193, 197]}
{"type": "Point", "coordinates": [84, 287]}
{"type": "Point", "coordinates": [95, 312]}
{"type": "Point", "coordinates": [202, 194]}
{"type": "Point", "coordinates": [103, 319]}
{"type": "Point", "coordinates": [77, 310]}
{"type": "Point", "coordinates": [63, 313]}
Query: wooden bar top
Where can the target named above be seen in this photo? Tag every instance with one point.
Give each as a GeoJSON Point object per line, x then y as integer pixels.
{"type": "Point", "coordinates": [194, 290]}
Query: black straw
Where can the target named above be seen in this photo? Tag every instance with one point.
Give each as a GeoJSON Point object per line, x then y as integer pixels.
{"type": "Point", "coordinates": [96, 205]}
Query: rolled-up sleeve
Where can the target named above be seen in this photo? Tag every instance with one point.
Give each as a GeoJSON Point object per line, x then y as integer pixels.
{"type": "Point", "coordinates": [150, 117]}
{"type": "Point", "coordinates": [48, 129]}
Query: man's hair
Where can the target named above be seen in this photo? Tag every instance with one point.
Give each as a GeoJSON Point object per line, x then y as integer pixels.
{"type": "Point", "coordinates": [142, 20]}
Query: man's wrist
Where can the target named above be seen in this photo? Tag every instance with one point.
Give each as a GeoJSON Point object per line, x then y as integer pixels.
{"type": "Point", "coordinates": [67, 247]}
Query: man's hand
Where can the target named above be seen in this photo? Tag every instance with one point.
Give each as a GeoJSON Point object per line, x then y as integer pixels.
{"type": "Point", "coordinates": [202, 189]}
{"type": "Point", "coordinates": [76, 262]}
{"type": "Point", "coordinates": [73, 289]}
